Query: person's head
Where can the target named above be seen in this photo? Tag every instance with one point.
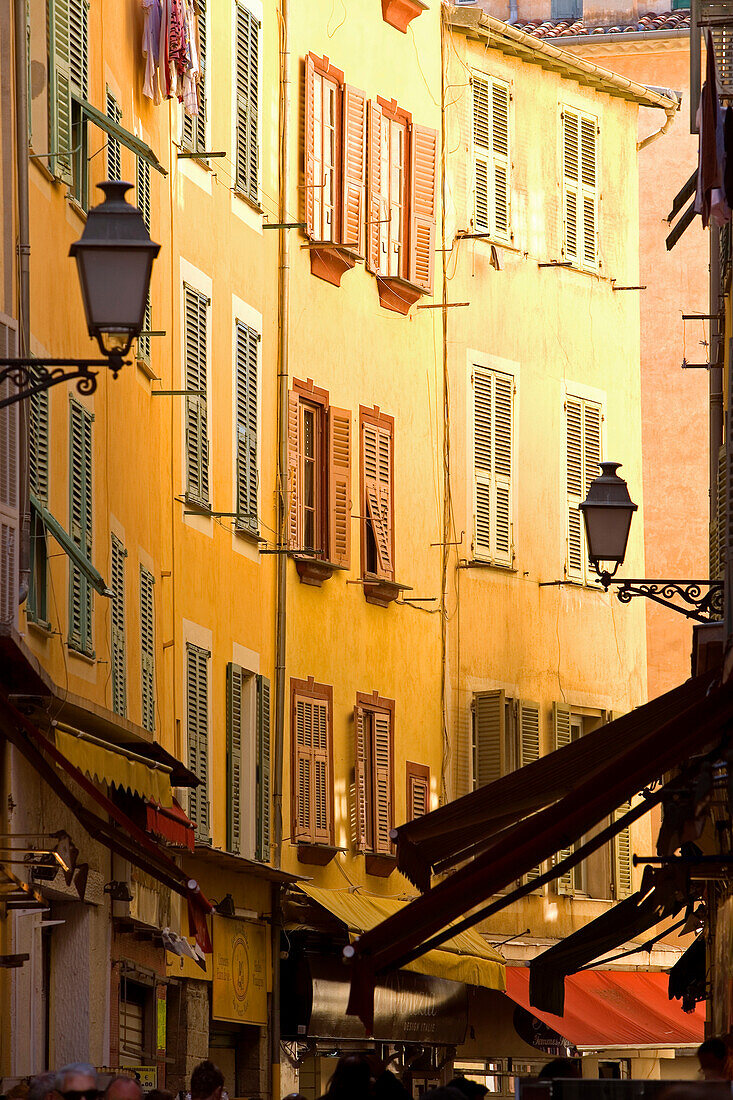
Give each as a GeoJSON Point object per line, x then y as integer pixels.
{"type": "Point", "coordinates": [207, 1082]}
{"type": "Point", "coordinates": [123, 1088]}
{"type": "Point", "coordinates": [77, 1081]}
{"type": "Point", "coordinates": [472, 1089]}
{"type": "Point", "coordinates": [560, 1069]}
{"type": "Point", "coordinates": [351, 1079]}
{"type": "Point", "coordinates": [712, 1055]}
{"type": "Point", "coordinates": [42, 1087]}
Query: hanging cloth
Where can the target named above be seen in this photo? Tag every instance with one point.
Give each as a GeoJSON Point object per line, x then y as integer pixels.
{"type": "Point", "coordinates": [710, 198]}
{"type": "Point", "coordinates": [151, 48]}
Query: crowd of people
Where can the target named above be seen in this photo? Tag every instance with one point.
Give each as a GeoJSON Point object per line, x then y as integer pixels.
{"type": "Point", "coordinates": [80, 1081]}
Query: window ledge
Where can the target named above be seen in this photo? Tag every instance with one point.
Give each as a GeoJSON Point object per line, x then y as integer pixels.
{"type": "Point", "coordinates": [397, 294]}
{"type": "Point", "coordinates": [247, 533]}
{"type": "Point", "coordinates": [399, 13]}
{"type": "Point", "coordinates": [315, 570]}
{"type": "Point", "coordinates": [329, 261]}
{"type": "Point", "coordinates": [39, 626]}
{"type": "Point", "coordinates": [143, 365]}
{"type": "Point", "coordinates": [248, 200]}
{"type": "Point", "coordinates": [90, 658]}
{"type": "Point", "coordinates": [76, 206]}
{"type": "Point", "coordinates": [477, 563]}
{"type": "Point", "coordinates": [381, 591]}
{"type": "Point", "coordinates": [204, 509]}
{"type": "Point", "coordinates": [317, 855]}
{"type": "Point", "coordinates": [380, 865]}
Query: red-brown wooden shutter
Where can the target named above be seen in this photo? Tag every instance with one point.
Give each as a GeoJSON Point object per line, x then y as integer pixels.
{"type": "Point", "coordinates": [339, 488]}
{"type": "Point", "coordinates": [374, 189]}
{"type": "Point", "coordinates": [309, 152]}
{"type": "Point", "coordinates": [377, 458]}
{"type": "Point", "coordinates": [302, 826]}
{"type": "Point", "coordinates": [382, 764]}
{"type": "Point", "coordinates": [321, 794]}
{"type": "Point", "coordinates": [422, 206]}
{"type": "Point", "coordinates": [360, 781]}
{"type": "Point", "coordinates": [354, 176]}
{"type": "Point", "coordinates": [292, 522]}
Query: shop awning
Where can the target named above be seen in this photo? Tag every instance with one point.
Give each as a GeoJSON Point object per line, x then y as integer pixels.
{"type": "Point", "coordinates": [117, 766]}
{"type": "Point", "coordinates": [171, 825]}
{"type": "Point", "coordinates": [65, 541]}
{"type": "Point", "coordinates": [615, 1008]}
{"type": "Point", "coordinates": [466, 957]}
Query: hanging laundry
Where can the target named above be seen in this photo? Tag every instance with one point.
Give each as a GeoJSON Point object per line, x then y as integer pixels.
{"type": "Point", "coordinates": [151, 48]}
{"type": "Point", "coordinates": [710, 200]}
{"type": "Point", "coordinates": [171, 49]}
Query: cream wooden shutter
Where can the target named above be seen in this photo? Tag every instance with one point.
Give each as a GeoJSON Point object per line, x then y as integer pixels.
{"type": "Point", "coordinates": [483, 437]}
{"type": "Point", "coordinates": [481, 154]}
{"type": "Point", "coordinates": [375, 260]}
{"type": "Point", "coordinates": [592, 418]}
{"type": "Point", "coordinates": [580, 188]}
{"type": "Point", "coordinates": [502, 469]}
{"type": "Point", "coordinates": [493, 395]}
{"type": "Point", "coordinates": [359, 821]}
{"type": "Point", "coordinates": [529, 750]}
{"type": "Point", "coordinates": [424, 150]}
{"type": "Point", "coordinates": [235, 684]}
{"type": "Point", "coordinates": [147, 650]}
{"type": "Point", "coordinates": [575, 566]}
{"type": "Point", "coordinates": [571, 184]}
{"type": "Point", "coordinates": [118, 646]}
{"type": "Point", "coordinates": [489, 734]}
{"type": "Point", "coordinates": [354, 139]}
{"type": "Point", "coordinates": [382, 765]}
{"type": "Point", "coordinates": [302, 826]}
{"type": "Point", "coordinates": [339, 489]}
{"type": "Point", "coordinates": [622, 870]}
{"type": "Point", "coordinates": [562, 736]}
{"type": "Point", "coordinates": [321, 777]}
{"type": "Point", "coordinates": [500, 99]}
{"type": "Point", "coordinates": [588, 179]}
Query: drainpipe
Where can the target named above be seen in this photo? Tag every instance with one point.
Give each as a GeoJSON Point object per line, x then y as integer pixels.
{"type": "Point", "coordinates": [24, 249]}
{"type": "Point", "coordinates": [715, 372]}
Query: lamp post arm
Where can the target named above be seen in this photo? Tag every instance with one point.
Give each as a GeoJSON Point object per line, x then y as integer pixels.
{"type": "Point", "coordinates": [702, 600]}
{"type": "Point", "coordinates": [27, 377]}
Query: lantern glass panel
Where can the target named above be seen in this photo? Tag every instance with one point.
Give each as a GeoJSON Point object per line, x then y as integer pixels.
{"type": "Point", "coordinates": [115, 283]}
{"type": "Point", "coordinates": [607, 530]}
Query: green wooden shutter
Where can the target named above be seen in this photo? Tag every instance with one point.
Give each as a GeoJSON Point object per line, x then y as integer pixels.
{"type": "Point", "coordinates": [235, 685]}
{"type": "Point", "coordinates": [59, 100]}
{"type": "Point", "coordinates": [79, 46]}
{"type": "Point", "coordinates": [247, 166]}
{"type": "Point", "coordinates": [193, 135]}
{"type": "Point", "coordinates": [143, 202]}
{"type": "Point", "coordinates": [9, 486]}
{"type": "Point", "coordinates": [501, 161]}
{"type": "Point", "coordinates": [114, 150]}
{"type": "Point", "coordinates": [80, 516]}
{"type": "Point", "coordinates": [118, 648]}
{"type": "Point", "coordinates": [262, 848]}
{"type": "Point", "coordinates": [622, 880]}
{"type": "Point", "coordinates": [147, 649]}
{"type": "Point", "coordinates": [247, 341]}
{"type": "Point", "coordinates": [197, 724]}
{"type": "Point", "coordinates": [38, 444]}
{"type": "Point", "coordinates": [529, 751]}
{"type": "Point", "coordinates": [481, 154]}
{"type": "Point", "coordinates": [489, 736]}
{"type": "Point", "coordinates": [562, 735]}
{"type": "Point", "coordinates": [197, 439]}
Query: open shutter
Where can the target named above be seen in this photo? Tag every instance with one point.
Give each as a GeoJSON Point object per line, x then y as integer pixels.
{"type": "Point", "coordinates": [529, 751]}
{"type": "Point", "coordinates": [310, 149]}
{"type": "Point", "coordinates": [482, 451]}
{"type": "Point", "coordinates": [247, 66]}
{"type": "Point", "coordinates": [377, 458]}
{"type": "Point", "coordinates": [500, 157]}
{"type": "Point", "coordinates": [502, 469]}
{"type": "Point", "coordinates": [262, 844]}
{"type": "Point", "coordinates": [147, 649]}
{"type": "Point", "coordinates": [9, 488]}
{"type": "Point", "coordinates": [293, 501]}
{"type": "Point", "coordinates": [424, 149]}
{"type": "Point", "coordinates": [235, 685]}
{"type": "Point", "coordinates": [382, 762]}
{"type": "Point", "coordinates": [354, 177]}
{"type": "Point", "coordinates": [80, 514]}
{"type": "Point", "coordinates": [481, 154]}
{"type": "Point", "coordinates": [562, 736]}
{"type": "Point", "coordinates": [59, 100]}
{"type": "Point", "coordinates": [489, 734]}
{"type": "Point", "coordinates": [375, 206]}
{"type": "Point", "coordinates": [360, 780]}
{"type": "Point", "coordinates": [588, 130]}
{"type": "Point", "coordinates": [197, 436]}
{"type": "Point", "coordinates": [622, 880]}
{"type": "Point", "coordinates": [339, 489]}
{"type": "Point", "coordinates": [571, 183]}
{"type": "Point", "coordinates": [574, 479]}
{"type": "Point", "coordinates": [197, 721]}
{"type": "Point", "coordinates": [321, 792]}
{"type": "Point", "coordinates": [247, 341]}
{"type": "Point", "coordinates": [38, 445]}
{"type": "Point", "coordinates": [119, 657]}
{"type": "Point", "coordinates": [114, 150]}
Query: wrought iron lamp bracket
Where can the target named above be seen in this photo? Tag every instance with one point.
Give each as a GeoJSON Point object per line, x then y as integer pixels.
{"type": "Point", "coordinates": [32, 376]}
{"type": "Point", "coordinates": [701, 600]}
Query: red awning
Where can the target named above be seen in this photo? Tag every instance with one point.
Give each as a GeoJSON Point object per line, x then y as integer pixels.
{"type": "Point", "coordinates": [611, 1008]}
{"type": "Point", "coordinates": [170, 824]}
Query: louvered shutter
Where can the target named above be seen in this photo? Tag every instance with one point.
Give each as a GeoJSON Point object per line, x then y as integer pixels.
{"type": "Point", "coordinates": [500, 98]}
{"type": "Point", "coordinates": [502, 469]}
{"type": "Point", "coordinates": [59, 100]}
{"type": "Point", "coordinates": [529, 751]}
{"type": "Point", "coordinates": [571, 182]}
{"type": "Point", "coordinates": [118, 646]}
{"type": "Point", "coordinates": [493, 427]}
{"type": "Point", "coordinates": [375, 206]}
{"type": "Point", "coordinates": [321, 792]}
{"type": "Point", "coordinates": [718, 553]}
{"type": "Point", "coordinates": [354, 175]}
{"type": "Point", "coordinates": [489, 733]}
{"type": "Point", "coordinates": [262, 842]}
{"type": "Point", "coordinates": [247, 342]}
{"type": "Point", "coordinates": [302, 827]}
{"type": "Point", "coordinates": [580, 188]}
{"type": "Point", "coordinates": [292, 531]}
{"type": "Point", "coordinates": [418, 797]}
{"type": "Point", "coordinates": [197, 437]}
{"type": "Point", "coordinates": [339, 469]}
{"type": "Point", "coordinates": [38, 444]}
{"type": "Point", "coordinates": [382, 764]}
{"type": "Point", "coordinates": [588, 128]}
{"type": "Point", "coordinates": [79, 46]}
{"type": "Point", "coordinates": [360, 779]}
{"type": "Point", "coordinates": [142, 175]}
{"type": "Point", "coordinates": [622, 881]}
{"type": "Point", "coordinates": [114, 151]}
{"type": "Point", "coordinates": [574, 478]}
{"type": "Point", "coordinates": [562, 735]}
{"type": "Point", "coordinates": [247, 64]}
{"type": "Point", "coordinates": [481, 154]}
{"type": "Point", "coordinates": [424, 150]}
{"type": "Point", "coordinates": [193, 134]}
{"type": "Point", "coordinates": [309, 152]}
{"type": "Point", "coordinates": [591, 465]}
{"type": "Point", "coordinates": [147, 649]}
{"type": "Point", "coordinates": [9, 487]}
{"type": "Point", "coordinates": [197, 722]}
{"type": "Point", "coordinates": [483, 441]}
{"type": "Point", "coordinates": [80, 515]}
{"type": "Point", "coordinates": [377, 459]}
{"type": "Point", "coordinates": [235, 685]}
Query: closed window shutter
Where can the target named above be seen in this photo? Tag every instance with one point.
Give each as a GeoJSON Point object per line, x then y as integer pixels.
{"type": "Point", "coordinates": [80, 513]}
{"type": "Point", "coordinates": [197, 724]}
{"type": "Point", "coordinates": [483, 437]}
{"type": "Point", "coordinates": [377, 459]}
{"type": "Point", "coordinates": [114, 151]}
{"type": "Point", "coordinates": [580, 188]}
{"type": "Point", "coordinates": [588, 129]}
{"type": "Point", "coordinates": [59, 114]}
{"type": "Point", "coordinates": [571, 183]}
{"type": "Point", "coordinates": [529, 751]}
{"type": "Point", "coordinates": [293, 515]}
{"type": "Point", "coordinates": [360, 780]}
{"type": "Point", "coordinates": [562, 735]}
{"type": "Point", "coordinates": [147, 649]}
{"type": "Point", "coordinates": [574, 478]}
{"type": "Point", "coordinates": [262, 848]}
{"type": "Point", "coordinates": [375, 261]}
{"type": "Point", "coordinates": [502, 480]}
{"type": "Point", "coordinates": [9, 488]}
{"type": "Point", "coordinates": [718, 544]}
{"type": "Point", "coordinates": [193, 135]}
{"type": "Point", "coordinates": [500, 99]}
{"type": "Point", "coordinates": [247, 167]}
{"type": "Point", "coordinates": [489, 733]}
{"type": "Point", "coordinates": [119, 655]}
{"type": "Point", "coordinates": [424, 149]}
{"type": "Point", "coordinates": [235, 684]}
{"type": "Point", "coordinates": [197, 438]}
{"type": "Point", "coordinates": [302, 777]}
{"type": "Point", "coordinates": [142, 189]}
{"type": "Point", "coordinates": [247, 343]}
{"type": "Point", "coordinates": [321, 794]}
{"type": "Point", "coordinates": [310, 150]}
{"type": "Point", "coordinates": [382, 764]}
{"type": "Point", "coordinates": [312, 793]}
{"type": "Point", "coordinates": [38, 444]}
{"type": "Point", "coordinates": [418, 797]}
{"type": "Point", "coordinates": [622, 882]}
{"type": "Point", "coordinates": [339, 469]}
{"type": "Point", "coordinates": [79, 46]}
{"type": "Point", "coordinates": [481, 154]}
{"type": "Point", "coordinates": [591, 443]}
{"type": "Point", "coordinates": [354, 140]}
{"type": "Point", "coordinates": [493, 426]}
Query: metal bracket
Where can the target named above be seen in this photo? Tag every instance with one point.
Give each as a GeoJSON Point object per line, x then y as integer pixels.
{"type": "Point", "coordinates": [704, 598]}
{"type": "Point", "coordinates": [32, 376]}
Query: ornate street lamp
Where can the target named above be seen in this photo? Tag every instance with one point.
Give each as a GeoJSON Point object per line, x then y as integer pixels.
{"type": "Point", "coordinates": [114, 260]}
{"type": "Point", "coordinates": [607, 513]}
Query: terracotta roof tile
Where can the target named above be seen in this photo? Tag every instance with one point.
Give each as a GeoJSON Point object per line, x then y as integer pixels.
{"type": "Point", "coordinates": [563, 28]}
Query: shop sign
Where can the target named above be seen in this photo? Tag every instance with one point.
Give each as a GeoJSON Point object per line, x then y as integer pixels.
{"type": "Point", "coordinates": [539, 1035]}
{"type": "Point", "coordinates": [239, 990]}
{"type": "Point", "coordinates": [146, 1076]}
{"type": "Point", "coordinates": [180, 966]}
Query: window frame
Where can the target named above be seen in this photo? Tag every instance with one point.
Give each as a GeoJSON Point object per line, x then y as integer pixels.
{"type": "Point", "coordinates": [315, 400]}
{"type": "Point", "coordinates": [311, 691]}
{"type": "Point", "coordinates": [326, 73]}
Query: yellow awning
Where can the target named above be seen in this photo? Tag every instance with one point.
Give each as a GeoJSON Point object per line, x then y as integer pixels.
{"type": "Point", "coordinates": [115, 766]}
{"type": "Point", "coordinates": [465, 957]}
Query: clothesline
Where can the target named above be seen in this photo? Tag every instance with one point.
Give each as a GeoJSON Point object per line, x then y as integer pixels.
{"type": "Point", "coordinates": [172, 48]}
